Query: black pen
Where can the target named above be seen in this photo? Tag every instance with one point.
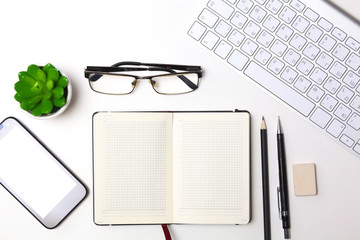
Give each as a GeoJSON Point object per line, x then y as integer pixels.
{"type": "Point", "coordinates": [283, 188]}
{"type": "Point", "coordinates": [265, 180]}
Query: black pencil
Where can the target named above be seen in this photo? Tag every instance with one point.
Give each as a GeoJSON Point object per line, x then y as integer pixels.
{"type": "Point", "coordinates": [265, 180]}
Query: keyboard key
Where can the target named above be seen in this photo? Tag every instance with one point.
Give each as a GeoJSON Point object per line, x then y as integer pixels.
{"type": "Point", "coordinates": [271, 23]}
{"type": "Point", "coordinates": [311, 51]}
{"type": "Point", "coordinates": [284, 32]}
{"type": "Point", "coordinates": [258, 14]}
{"type": "Point", "coordinates": [245, 5]}
{"type": "Point", "coordinates": [249, 47]}
{"type": "Point", "coordinates": [357, 148]}
{"type": "Point", "coordinates": [345, 94]}
{"type": "Point", "coordinates": [221, 8]}
{"type": "Point", "coordinates": [302, 84]}
{"type": "Point", "coordinates": [263, 56]}
{"type": "Point", "coordinates": [298, 42]}
{"type": "Point", "coordinates": [279, 89]}
{"type": "Point", "coordinates": [252, 29]}
{"type": "Point", "coordinates": [342, 112]}
{"type": "Point", "coordinates": [327, 42]}
{"type": "Point", "coordinates": [340, 52]}
{"type": "Point", "coordinates": [325, 24]}
{"type": "Point", "coordinates": [196, 31]}
{"type": "Point", "coordinates": [236, 37]}
{"type": "Point", "coordinates": [353, 61]}
{"type": "Point", "coordinates": [316, 93]}
{"type": "Point", "coordinates": [265, 38]}
{"type": "Point", "coordinates": [305, 66]}
{"type": "Point", "coordinates": [336, 128]}
{"type": "Point", "coordinates": [324, 60]}
{"type": "Point", "coordinates": [314, 33]}
{"type": "Point", "coordinates": [332, 85]}
{"type": "Point", "coordinates": [278, 48]}
{"type": "Point", "coordinates": [338, 70]}
{"type": "Point", "coordinates": [238, 60]}
{"type": "Point", "coordinates": [339, 34]}
{"type": "Point", "coordinates": [329, 103]}
{"type": "Point", "coordinates": [210, 40]}
{"type": "Point", "coordinates": [320, 118]}
{"type": "Point", "coordinates": [287, 15]}
{"type": "Point", "coordinates": [208, 18]}
{"type": "Point", "coordinates": [300, 24]}
{"type": "Point", "coordinates": [310, 14]}
{"type": "Point", "coordinates": [223, 49]}
{"type": "Point", "coordinates": [276, 65]}
{"type": "Point", "coordinates": [289, 75]}
{"type": "Point", "coordinates": [297, 5]}
{"type": "Point", "coordinates": [274, 6]}
{"type": "Point", "coordinates": [351, 79]}
{"type": "Point", "coordinates": [318, 76]}
{"type": "Point", "coordinates": [291, 57]}
{"type": "Point", "coordinates": [223, 28]}
{"type": "Point", "coordinates": [356, 103]}
{"type": "Point", "coordinates": [354, 121]}
{"type": "Point", "coordinates": [239, 20]}
{"type": "Point", "coordinates": [347, 140]}
{"type": "Point", "coordinates": [352, 43]}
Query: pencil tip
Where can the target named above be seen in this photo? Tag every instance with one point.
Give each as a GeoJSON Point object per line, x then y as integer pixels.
{"type": "Point", "coordinates": [263, 124]}
{"type": "Point", "coordinates": [279, 129]}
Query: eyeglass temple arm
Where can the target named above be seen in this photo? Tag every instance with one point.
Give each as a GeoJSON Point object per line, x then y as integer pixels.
{"type": "Point", "coordinates": [167, 66]}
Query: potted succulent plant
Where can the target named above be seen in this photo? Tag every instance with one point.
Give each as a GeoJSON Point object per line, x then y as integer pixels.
{"type": "Point", "coordinates": [43, 91]}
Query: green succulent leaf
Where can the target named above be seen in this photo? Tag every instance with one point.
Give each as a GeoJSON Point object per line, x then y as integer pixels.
{"type": "Point", "coordinates": [26, 78]}
{"type": "Point", "coordinates": [46, 106]}
{"type": "Point", "coordinates": [47, 95]}
{"type": "Point", "coordinates": [18, 98]}
{"type": "Point", "coordinates": [21, 86]}
{"type": "Point", "coordinates": [59, 102]}
{"type": "Point", "coordinates": [37, 110]}
{"type": "Point", "coordinates": [32, 70]}
{"type": "Point", "coordinates": [41, 76]}
{"type": "Point", "coordinates": [53, 74]}
{"type": "Point", "coordinates": [27, 106]}
{"type": "Point", "coordinates": [63, 82]}
{"type": "Point", "coordinates": [26, 93]}
{"type": "Point", "coordinates": [34, 100]}
{"type": "Point", "coordinates": [49, 84]}
{"type": "Point", "coordinates": [58, 92]}
{"type": "Point", "coordinates": [47, 67]}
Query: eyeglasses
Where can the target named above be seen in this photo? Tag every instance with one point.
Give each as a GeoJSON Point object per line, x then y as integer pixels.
{"type": "Point", "coordinates": [116, 80]}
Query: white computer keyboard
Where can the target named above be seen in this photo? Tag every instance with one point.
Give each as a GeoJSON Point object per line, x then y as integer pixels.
{"type": "Point", "coordinates": [294, 53]}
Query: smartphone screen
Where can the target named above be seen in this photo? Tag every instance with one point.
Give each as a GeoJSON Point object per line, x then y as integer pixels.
{"type": "Point", "coordinates": [35, 177]}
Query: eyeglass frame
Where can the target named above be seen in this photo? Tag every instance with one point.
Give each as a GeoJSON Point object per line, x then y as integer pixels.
{"type": "Point", "coordinates": [185, 69]}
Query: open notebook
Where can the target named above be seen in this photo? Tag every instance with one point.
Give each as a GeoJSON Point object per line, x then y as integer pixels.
{"type": "Point", "coordinates": [163, 167]}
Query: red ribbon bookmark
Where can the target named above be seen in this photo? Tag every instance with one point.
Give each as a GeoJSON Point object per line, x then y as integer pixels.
{"type": "Point", "coordinates": [166, 231]}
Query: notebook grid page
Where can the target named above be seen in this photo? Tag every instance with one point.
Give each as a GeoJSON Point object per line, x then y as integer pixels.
{"type": "Point", "coordinates": [211, 176]}
{"type": "Point", "coordinates": [135, 167]}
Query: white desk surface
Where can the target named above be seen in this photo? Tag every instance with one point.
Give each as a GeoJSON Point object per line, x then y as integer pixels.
{"type": "Point", "coordinates": [74, 34]}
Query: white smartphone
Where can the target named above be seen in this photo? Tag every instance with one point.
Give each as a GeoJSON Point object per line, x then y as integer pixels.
{"type": "Point", "coordinates": [34, 175]}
